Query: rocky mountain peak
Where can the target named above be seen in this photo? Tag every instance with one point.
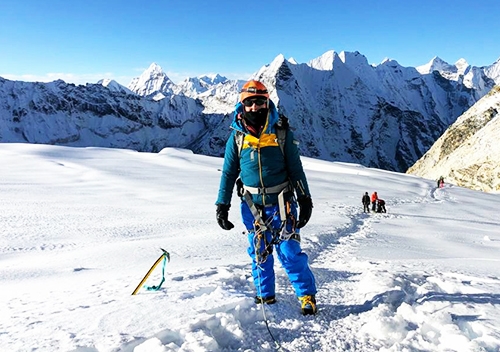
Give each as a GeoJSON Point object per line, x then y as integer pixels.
{"type": "Point", "coordinates": [152, 81]}
{"type": "Point", "coordinates": [467, 153]}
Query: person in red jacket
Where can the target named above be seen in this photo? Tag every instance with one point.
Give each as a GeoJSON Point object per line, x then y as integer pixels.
{"type": "Point", "coordinates": [374, 200]}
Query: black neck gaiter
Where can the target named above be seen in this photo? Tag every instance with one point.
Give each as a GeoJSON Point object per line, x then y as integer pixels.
{"type": "Point", "coordinates": [256, 119]}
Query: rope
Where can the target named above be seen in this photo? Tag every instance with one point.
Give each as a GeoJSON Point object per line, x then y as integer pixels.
{"type": "Point", "coordinates": [260, 227]}
{"type": "Point", "coordinates": [156, 288]}
{"type": "Point", "coordinates": [276, 343]}
{"type": "Point", "coordinates": [259, 235]}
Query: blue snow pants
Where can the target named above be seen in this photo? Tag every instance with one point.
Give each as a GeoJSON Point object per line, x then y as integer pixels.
{"type": "Point", "coordinates": [289, 253]}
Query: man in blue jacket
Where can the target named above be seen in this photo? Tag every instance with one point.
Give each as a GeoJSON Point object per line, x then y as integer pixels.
{"type": "Point", "coordinates": [262, 157]}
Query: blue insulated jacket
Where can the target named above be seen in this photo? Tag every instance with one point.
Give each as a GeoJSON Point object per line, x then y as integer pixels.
{"type": "Point", "coordinates": [261, 162]}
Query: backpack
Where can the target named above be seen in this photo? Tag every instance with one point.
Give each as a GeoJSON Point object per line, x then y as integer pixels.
{"type": "Point", "coordinates": [281, 128]}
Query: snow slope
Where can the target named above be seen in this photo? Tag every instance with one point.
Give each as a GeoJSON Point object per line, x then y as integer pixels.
{"type": "Point", "coordinates": [82, 226]}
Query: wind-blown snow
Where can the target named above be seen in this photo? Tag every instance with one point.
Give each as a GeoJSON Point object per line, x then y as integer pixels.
{"type": "Point", "coordinates": [82, 226]}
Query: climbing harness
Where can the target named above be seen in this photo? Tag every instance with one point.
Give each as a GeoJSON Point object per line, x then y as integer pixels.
{"type": "Point", "coordinates": [261, 226]}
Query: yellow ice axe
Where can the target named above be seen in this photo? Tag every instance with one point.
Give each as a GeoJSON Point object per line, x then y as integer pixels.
{"type": "Point", "coordinates": [165, 255]}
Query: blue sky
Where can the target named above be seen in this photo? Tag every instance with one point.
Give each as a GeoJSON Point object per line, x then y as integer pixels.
{"type": "Point", "coordinates": [86, 40]}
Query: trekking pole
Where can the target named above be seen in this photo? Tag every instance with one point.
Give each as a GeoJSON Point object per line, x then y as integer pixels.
{"type": "Point", "coordinates": [165, 255]}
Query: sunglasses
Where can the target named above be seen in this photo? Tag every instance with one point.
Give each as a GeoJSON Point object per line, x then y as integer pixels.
{"type": "Point", "coordinates": [257, 101]}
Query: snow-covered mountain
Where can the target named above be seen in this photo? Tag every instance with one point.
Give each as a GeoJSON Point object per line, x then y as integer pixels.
{"type": "Point", "coordinates": [384, 116]}
{"type": "Point", "coordinates": [341, 108]}
{"type": "Point", "coordinates": [217, 93]}
{"type": "Point", "coordinates": [94, 115]}
{"type": "Point", "coordinates": [468, 153]}
{"type": "Point", "coordinates": [113, 85]}
{"type": "Point", "coordinates": [151, 82]}
{"type": "Point", "coordinates": [198, 85]}
{"type": "Point", "coordinates": [344, 109]}
{"type": "Point", "coordinates": [479, 78]}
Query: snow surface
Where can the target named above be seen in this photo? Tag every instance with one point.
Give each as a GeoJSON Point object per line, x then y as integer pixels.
{"type": "Point", "coordinates": [82, 226]}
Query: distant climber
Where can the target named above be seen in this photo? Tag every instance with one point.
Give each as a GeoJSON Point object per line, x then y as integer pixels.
{"type": "Point", "coordinates": [366, 202]}
{"type": "Point", "coordinates": [440, 182]}
{"type": "Point", "coordinates": [374, 200]}
{"type": "Point", "coordinates": [381, 206]}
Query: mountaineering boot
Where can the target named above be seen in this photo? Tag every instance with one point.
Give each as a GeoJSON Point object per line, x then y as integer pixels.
{"type": "Point", "coordinates": [267, 300]}
{"type": "Point", "coordinates": [308, 304]}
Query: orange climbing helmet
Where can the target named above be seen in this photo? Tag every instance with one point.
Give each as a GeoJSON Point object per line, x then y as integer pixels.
{"type": "Point", "coordinates": [253, 88]}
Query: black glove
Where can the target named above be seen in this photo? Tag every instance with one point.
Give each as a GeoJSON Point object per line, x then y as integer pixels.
{"type": "Point", "coordinates": [306, 206]}
{"type": "Point", "coordinates": [222, 214]}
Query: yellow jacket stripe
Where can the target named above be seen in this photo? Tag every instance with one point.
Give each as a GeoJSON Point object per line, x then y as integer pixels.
{"type": "Point", "coordinates": [265, 140]}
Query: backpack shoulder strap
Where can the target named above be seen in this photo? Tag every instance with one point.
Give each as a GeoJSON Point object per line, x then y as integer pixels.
{"type": "Point", "coordinates": [238, 138]}
{"type": "Point", "coordinates": [281, 129]}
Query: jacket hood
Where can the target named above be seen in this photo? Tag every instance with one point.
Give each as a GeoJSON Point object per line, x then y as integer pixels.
{"type": "Point", "coordinates": [272, 118]}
